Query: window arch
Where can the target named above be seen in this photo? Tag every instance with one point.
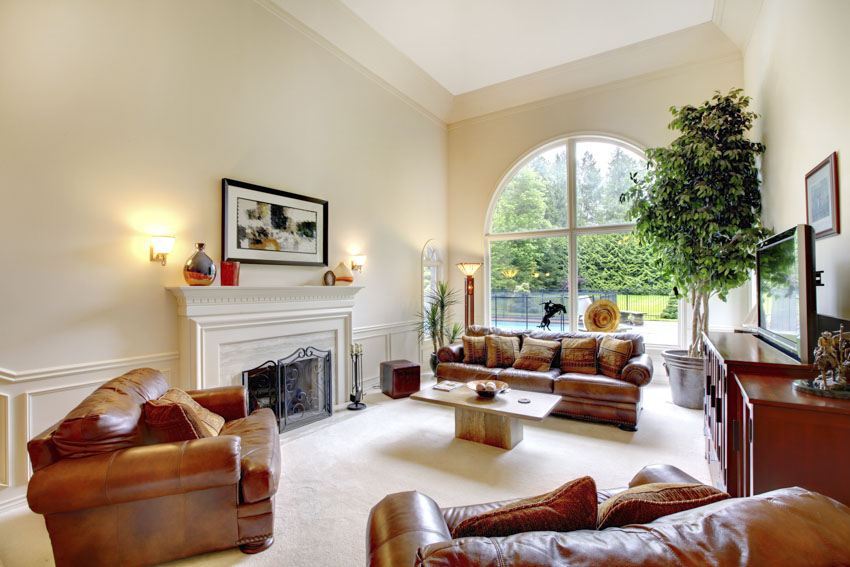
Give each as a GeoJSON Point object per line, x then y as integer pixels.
{"type": "Point", "coordinates": [556, 224]}
{"type": "Point", "coordinates": [432, 268]}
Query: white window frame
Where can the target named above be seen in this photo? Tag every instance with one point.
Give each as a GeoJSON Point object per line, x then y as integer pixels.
{"type": "Point", "coordinates": [572, 231]}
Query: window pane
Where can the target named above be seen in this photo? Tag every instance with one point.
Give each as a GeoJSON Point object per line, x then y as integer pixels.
{"type": "Point", "coordinates": [617, 268]}
{"type": "Point", "coordinates": [602, 174]}
{"type": "Point", "coordinates": [524, 274]}
{"type": "Point", "coordinates": [536, 197]}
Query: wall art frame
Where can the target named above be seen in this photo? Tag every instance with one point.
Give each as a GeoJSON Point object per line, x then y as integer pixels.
{"type": "Point", "coordinates": [822, 210]}
{"type": "Point", "coordinates": [261, 225]}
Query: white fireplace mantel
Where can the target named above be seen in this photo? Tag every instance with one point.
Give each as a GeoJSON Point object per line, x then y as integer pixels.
{"type": "Point", "coordinates": [239, 327]}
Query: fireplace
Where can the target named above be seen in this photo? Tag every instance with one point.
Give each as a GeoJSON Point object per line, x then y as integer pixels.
{"type": "Point", "coordinates": [296, 388]}
{"type": "Point", "coordinates": [225, 330]}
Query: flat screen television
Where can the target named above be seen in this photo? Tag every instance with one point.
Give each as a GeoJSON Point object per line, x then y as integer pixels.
{"type": "Point", "coordinates": [785, 272]}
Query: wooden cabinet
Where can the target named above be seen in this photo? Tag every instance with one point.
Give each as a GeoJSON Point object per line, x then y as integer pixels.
{"type": "Point", "coordinates": [792, 439]}
{"type": "Point", "coordinates": [726, 355]}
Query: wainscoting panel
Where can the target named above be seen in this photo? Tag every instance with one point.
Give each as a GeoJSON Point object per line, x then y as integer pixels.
{"type": "Point", "coordinates": [392, 341]}
{"type": "Point", "coordinates": [4, 440]}
{"type": "Point", "coordinates": [33, 400]}
{"type": "Point", "coordinates": [46, 407]}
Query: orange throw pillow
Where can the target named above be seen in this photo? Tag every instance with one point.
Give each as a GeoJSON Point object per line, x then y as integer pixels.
{"type": "Point", "coordinates": [175, 416]}
{"type": "Point", "coordinates": [578, 355]}
{"type": "Point", "coordinates": [537, 354]}
{"type": "Point", "coordinates": [570, 507]}
{"type": "Point", "coordinates": [502, 352]}
{"type": "Point", "coordinates": [645, 503]}
{"type": "Point", "coordinates": [613, 356]}
{"type": "Point", "coordinates": [473, 350]}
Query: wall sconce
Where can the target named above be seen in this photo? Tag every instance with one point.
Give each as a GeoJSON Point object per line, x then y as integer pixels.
{"type": "Point", "coordinates": [357, 263]}
{"type": "Point", "coordinates": [161, 247]}
{"type": "Point", "coordinates": [510, 272]}
{"type": "Point", "coordinates": [468, 269]}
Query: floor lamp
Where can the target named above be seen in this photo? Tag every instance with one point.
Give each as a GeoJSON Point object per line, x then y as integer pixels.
{"type": "Point", "coordinates": [469, 269]}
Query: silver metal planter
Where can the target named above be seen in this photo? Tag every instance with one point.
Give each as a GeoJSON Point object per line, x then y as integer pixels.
{"type": "Point", "coordinates": [687, 378]}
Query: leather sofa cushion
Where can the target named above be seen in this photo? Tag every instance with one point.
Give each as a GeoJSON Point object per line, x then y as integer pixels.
{"type": "Point", "coordinates": [466, 372]}
{"type": "Point", "coordinates": [647, 502]}
{"type": "Point", "coordinates": [578, 355]}
{"type": "Point", "coordinates": [260, 454]}
{"type": "Point", "coordinates": [110, 418]}
{"type": "Point", "coordinates": [537, 354]}
{"type": "Point", "coordinates": [502, 352]}
{"type": "Point", "coordinates": [529, 380]}
{"type": "Point", "coordinates": [571, 507]}
{"type": "Point", "coordinates": [613, 356]}
{"type": "Point", "coordinates": [596, 387]}
{"type": "Point", "coordinates": [177, 417]}
{"type": "Point", "coordinates": [474, 351]}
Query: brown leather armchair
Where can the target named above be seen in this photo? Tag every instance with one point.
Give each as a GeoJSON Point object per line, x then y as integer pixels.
{"type": "Point", "coordinates": [110, 497]}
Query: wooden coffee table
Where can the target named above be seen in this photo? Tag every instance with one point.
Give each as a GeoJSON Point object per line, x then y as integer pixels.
{"type": "Point", "coordinates": [497, 421]}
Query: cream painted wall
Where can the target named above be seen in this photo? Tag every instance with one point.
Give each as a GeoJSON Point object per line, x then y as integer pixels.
{"type": "Point", "coordinates": [481, 151]}
{"type": "Point", "coordinates": [796, 71]}
{"type": "Point", "coordinates": [119, 120]}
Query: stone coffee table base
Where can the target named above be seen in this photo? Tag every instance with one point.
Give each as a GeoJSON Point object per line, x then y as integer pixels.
{"type": "Point", "coordinates": [496, 422]}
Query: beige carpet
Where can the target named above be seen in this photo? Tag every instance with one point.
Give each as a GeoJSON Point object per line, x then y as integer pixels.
{"type": "Point", "coordinates": [335, 471]}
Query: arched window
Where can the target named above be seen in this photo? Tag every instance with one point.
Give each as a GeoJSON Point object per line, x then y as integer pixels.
{"type": "Point", "coordinates": [432, 266]}
{"type": "Point", "coordinates": [556, 224]}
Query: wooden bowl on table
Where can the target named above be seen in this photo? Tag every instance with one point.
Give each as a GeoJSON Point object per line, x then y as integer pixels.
{"type": "Point", "coordinates": [488, 388]}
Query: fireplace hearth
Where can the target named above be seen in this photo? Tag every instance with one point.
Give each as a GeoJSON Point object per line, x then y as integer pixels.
{"type": "Point", "coordinates": [296, 388]}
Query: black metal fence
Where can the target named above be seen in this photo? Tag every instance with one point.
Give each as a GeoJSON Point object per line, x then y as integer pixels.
{"type": "Point", "coordinates": [525, 309]}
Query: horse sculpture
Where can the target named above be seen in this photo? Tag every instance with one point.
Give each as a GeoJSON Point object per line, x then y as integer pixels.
{"type": "Point", "coordinates": [551, 309]}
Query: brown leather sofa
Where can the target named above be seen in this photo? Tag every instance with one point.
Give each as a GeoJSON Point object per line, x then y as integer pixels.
{"type": "Point", "coordinates": [790, 526]}
{"type": "Point", "coordinates": [109, 497]}
{"type": "Point", "coordinates": [592, 397]}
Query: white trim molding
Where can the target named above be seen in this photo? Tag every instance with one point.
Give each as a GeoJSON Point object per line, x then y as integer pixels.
{"type": "Point", "coordinates": [151, 360]}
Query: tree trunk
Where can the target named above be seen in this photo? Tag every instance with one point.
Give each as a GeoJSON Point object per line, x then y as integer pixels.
{"type": "Point", "coordinates": [699, 322]}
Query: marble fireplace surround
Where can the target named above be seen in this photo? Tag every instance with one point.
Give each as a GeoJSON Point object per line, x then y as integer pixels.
{"type": "Point", "coordinates": [225, 330]}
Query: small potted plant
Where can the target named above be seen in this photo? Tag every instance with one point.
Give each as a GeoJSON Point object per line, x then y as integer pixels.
{"type": "Point", "coordinates": [433, 322]}
{"type": "Point", "coordinates": [698, 209]}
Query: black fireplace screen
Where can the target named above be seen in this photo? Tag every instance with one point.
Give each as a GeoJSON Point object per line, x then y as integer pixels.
{"type": "Point", "coordinates": [296, 388]}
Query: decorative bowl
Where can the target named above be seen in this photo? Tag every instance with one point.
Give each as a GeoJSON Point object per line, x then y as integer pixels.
{"type": "Point", "coordinates": [501, 387]}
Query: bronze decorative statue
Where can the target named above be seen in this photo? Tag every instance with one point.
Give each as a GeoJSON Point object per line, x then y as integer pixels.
{"type": "Point", "coordinates": [832, 357]}
{"type": "Point", "coordinates": [551, 309]}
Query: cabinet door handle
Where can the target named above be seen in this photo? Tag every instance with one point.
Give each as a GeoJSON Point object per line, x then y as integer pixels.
{"type": "Point", "coordinates": [736, 434]}
{"type": "Point", "coordinates": [750, 430]}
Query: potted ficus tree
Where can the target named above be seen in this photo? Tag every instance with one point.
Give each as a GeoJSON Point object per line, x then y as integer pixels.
{"type": "Point", "coordinates": [698, 209]}
{"type": "Point", "coordinates": [433, 321]}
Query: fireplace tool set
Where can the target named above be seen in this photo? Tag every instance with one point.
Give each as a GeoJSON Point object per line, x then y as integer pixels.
{"type": "Point", "coordinates": [356, 377]}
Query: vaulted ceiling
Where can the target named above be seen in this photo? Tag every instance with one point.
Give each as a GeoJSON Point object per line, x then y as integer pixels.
{"type": "Point", "coordinates": [467, 57]}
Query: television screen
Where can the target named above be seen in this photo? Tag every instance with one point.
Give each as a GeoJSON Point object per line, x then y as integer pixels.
{"type": "Point", "coordinates": [786, 301]}
{"type": "Point", "coordinates": [779, 292]}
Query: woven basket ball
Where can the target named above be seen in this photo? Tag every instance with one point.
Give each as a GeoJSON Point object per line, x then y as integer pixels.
{"type": "Point", "coordinates": [602, 316]}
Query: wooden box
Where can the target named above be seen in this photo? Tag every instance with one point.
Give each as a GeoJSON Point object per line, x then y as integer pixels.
{"type": "Point", "coordinates": [399, 378]}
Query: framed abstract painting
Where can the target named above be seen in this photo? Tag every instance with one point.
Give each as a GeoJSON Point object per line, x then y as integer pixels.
{"type": "Point", "coordinates": [260, 225]}
{"type": "Point", "coordinates": [822, 197]}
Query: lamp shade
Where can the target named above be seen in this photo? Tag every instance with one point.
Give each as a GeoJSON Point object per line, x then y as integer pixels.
{"type": "Point", "coordinates": [469, 268]}
{"type": "Point", "coordinates": [162, 244]}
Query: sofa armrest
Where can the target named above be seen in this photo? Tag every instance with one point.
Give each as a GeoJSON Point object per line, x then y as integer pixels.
{"type": "Point", "coordinates": [400, 524]}
{"type": "Point", "coordinates": [451, 353]}
{"type": "Point", "coordinates": [137, 473]}
{"type": "Point", "coordinates": [230, 402]}
{"type": "Point", "coordinates": [661, 473]}
{"type": "Point", "coordinates": [638, 370]}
